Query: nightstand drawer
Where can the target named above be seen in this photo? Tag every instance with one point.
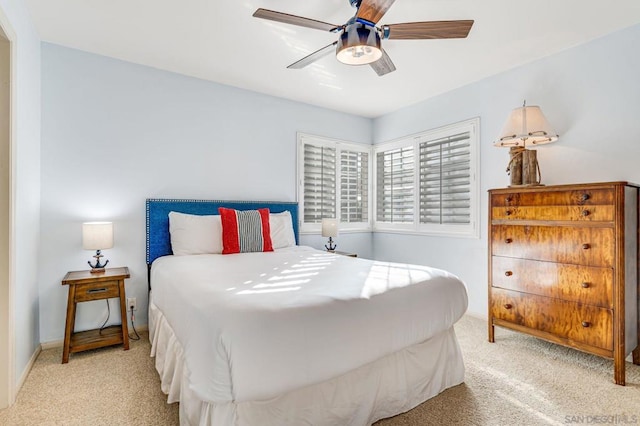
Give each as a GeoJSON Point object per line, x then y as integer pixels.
{"type": "Point", "coordinates": [96, 291]}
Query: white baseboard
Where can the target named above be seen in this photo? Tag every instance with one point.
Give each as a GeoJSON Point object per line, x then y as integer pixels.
{"type": "Point", "coordinates": [51, 345]}
{"type": "Point", "coordinates": [27, 369]}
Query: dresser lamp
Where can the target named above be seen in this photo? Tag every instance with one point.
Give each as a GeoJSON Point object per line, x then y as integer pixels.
{"type": "Point", "coordinates": [526, 126]}
{"type": "Point", "coordinates": [97, 236]}
{"type": "Point", "coordinates": [330, 229]}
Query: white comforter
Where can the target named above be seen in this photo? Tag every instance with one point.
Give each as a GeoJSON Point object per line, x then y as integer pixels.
{"type": "Point", "coordinates": [257, 325]}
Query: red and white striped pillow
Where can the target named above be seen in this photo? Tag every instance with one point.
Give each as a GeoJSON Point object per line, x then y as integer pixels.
{"type": "Point", "coordinates": [245, 231]}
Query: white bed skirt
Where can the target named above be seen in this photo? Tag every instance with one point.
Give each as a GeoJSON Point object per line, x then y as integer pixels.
{"type": "Point", "coordinates": [384, 388]}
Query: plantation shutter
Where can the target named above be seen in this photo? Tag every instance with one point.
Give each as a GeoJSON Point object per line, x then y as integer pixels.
{"type": "Point", "coordinates": [445, 180]}
{"type": "Point", "coordinates": [354, 186]}
{"type": "Point", "coordinates": [395, 185]}
{"type": "Point", "coordinates": [319, 183]}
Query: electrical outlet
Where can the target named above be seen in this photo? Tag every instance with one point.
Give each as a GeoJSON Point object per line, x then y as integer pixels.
{"type": "Point", "coordinates": [131, 304]}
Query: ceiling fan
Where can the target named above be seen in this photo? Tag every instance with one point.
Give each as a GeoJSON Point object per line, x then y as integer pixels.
{"type": "Point", "coordinates": [359, 42]}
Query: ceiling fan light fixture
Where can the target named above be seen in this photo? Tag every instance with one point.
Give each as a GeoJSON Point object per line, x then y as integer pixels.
{"type": "Point", "coordinates": [359, 44]}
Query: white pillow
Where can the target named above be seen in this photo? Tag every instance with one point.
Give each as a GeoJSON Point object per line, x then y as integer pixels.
{"type": "Point", "coordinates": [281, 230]}
{"type": "Point", "coordinates": [195, 234]}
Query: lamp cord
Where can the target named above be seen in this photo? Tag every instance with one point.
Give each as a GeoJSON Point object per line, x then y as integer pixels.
{"type": "Point", "coordinates": [108, 315]}
{"type": "Point", "coordinates": [133, 318]}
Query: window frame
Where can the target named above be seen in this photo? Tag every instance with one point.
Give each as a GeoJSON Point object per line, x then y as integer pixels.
{"type": "Point", "coordinates": [471, 230]}
{"type": "Point", "coordinates": [339, 146]}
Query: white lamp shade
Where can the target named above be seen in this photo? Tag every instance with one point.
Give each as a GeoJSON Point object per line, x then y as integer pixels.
{"type": "Point", "coordinates": [526, 126]}
{"type": "Point", "coordinates": [330, 228]}
{"type": "Point", "coordinates": [97, 235]}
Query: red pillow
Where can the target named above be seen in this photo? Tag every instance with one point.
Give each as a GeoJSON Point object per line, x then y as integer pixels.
{"type": "Point", "coordinates": [245, 231]}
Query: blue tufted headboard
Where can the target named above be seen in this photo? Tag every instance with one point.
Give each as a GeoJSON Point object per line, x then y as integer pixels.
{"type": "Point", "coordinates": [158, 238]}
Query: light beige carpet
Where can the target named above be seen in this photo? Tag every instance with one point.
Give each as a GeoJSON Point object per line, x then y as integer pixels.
{"type": "Point", "coordinates": [518, 380]}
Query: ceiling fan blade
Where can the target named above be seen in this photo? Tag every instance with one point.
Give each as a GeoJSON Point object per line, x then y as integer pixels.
{"type": "Point", "coordinates": [272, 15]}
{"type": "Point", "coordinates": [428, 30]}
{"type": "Point", "coordinates": [373, 10]}
{"type": "Point", "coordinates": [384, 65]}
{"type": "Point", "coordinates": [314, 56]}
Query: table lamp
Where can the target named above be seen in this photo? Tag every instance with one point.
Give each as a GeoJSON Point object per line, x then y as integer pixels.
{"type": "Point", "coordinates": [97, 236]}
{"type": "Point", "coordinates": [525, 126]}
{"type": "Point", "coordinates": [330, 229]}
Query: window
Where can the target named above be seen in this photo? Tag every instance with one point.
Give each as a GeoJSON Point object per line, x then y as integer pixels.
{"type": "Point", "coordinates": [334, 182]}
{"type": "Point", "coordinates": [394, 185]}
{"type": "Point", "coordinates": [354, 186]}
{"type": "Point", "coordinates": [427, 183]}
{"type": "Point", "coordinates": [319, 183]}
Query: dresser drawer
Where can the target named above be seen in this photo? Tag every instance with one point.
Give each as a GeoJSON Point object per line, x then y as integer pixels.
{"type": "Point", "coordinates": [96, 291]}
{"type": "Point", "coordinates": [586, 324]}
{"type": "Point", "coordinates": [508, 305]}
{"type": "Point", "coordinates": [582, 197]}
{"type": "Point", "coordinates": [584, 284]}
{"type": "Point", "coordinates": [573, 213]}
{"type": "Point", "coordinates": [577, 205]}
{"type": "Point", "coordinates": [573, 321]}
{"type": "Point", "coordinates": [564, 244]}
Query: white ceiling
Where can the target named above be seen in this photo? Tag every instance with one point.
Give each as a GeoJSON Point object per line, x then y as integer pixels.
{"type": "Point", "coordinates": [220, 41]}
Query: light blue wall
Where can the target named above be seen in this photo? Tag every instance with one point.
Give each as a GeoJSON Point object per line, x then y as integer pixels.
{"type": "Point", "coordinates": [590, 94]}
{"type": "Point", "coordinates": [115, 133]}
{"type": "Point", "coordinates": [26, 183]}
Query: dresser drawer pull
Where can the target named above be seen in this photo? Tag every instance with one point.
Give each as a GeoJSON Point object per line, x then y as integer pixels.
{"type": "Point", "coordinates": [585, 197]}
{"type": "Point", "coordinates": [508, 240]}
{"type": "Point", "coordinates": [509, 212]}
{"type": "Point", "coordinates": [508, 306]}
{"type": "Point", "coordinates": [509, 199]}
{"type": "Point", "coordinates": [585, 212]}
{"type": "Point", "coordinates": [508, 273]}
{"type": "Point", "coordinates": [586, 324]}
{"type": "Point", "coordinates": [586, 285]}
{"type": "Point", "coordinates": [96, 290]}
{"type": "Point", "coordinates": [586, 246]}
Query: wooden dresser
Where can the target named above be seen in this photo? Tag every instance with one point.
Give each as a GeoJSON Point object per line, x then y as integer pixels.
{"type": "Point", "coordinates": [563, 266]}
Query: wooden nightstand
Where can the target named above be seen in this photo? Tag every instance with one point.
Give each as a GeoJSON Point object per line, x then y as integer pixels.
{"type": "Point", "coordinates": [83, 287]}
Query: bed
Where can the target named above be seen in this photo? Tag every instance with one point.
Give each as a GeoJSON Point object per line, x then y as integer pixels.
{"type": "Point", "coordinates": [296, 335]}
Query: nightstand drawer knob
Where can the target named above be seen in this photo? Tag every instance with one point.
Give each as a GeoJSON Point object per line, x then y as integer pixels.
{"type": "Point", "coordinates": [586, 285]}
{"type": "Point", "coordinates": [508, 240]}
{"type": "Point", "coordinates": [508, 273]}
{"type": "Point", "coordinates": [96, 290]}
{"type": "Point", "coordinates": [509, 199]}
{"type": "Point", "coordinates": [585, 197]}
{"type": "Point", "coordinates": [508, 306]}
{"type": "Point", "coordinates": [585, 212]}
{"type": "Point", "coordinates": [586, 324]}
{"type": "Point", "coordinates": [586, 246]}
{"type": "Point", "coordinates": [508, 212]}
